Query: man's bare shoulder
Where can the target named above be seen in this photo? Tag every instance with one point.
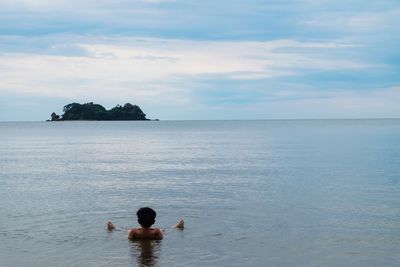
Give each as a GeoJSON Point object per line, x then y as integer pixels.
{"type": "Point", "coordinates": [142, 234]}
{"type": "Point", "coordinates": [133, 233]}
{"type": "Point", "coordinates": [158, 233]}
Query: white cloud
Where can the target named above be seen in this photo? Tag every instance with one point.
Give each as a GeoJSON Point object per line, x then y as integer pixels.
{"type": "Point", "coordinates": [76, 49]}
{"type": "Point", "coordinates": [41, 5]}
{"type": "Point", "coordinates": [356, 21]}
{"type": "Point", "coordinates": [144, 68]}
{"type": "Point", "coordinates": [353, 104]}
{"type": "Point", "coordinates": [309, 103]}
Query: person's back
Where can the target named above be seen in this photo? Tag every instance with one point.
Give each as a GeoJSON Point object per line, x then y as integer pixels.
{"type": "Point", "coordinates": [145, 233]}
{"type": "Point", "coordinates": [146, 218]}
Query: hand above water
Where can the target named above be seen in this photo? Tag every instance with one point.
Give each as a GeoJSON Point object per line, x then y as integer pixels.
{"type": "Point", "coordinates": [110, 226]}
{"type": "Point", "coordinates": [180, 224]}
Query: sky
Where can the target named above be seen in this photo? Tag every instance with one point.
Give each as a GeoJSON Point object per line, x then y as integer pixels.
{"type": "Point", "coordinates": [190, 60]}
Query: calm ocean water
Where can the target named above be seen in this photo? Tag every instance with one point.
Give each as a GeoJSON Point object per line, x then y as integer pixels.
{"type": "Point", "coordinates": [253, 193]}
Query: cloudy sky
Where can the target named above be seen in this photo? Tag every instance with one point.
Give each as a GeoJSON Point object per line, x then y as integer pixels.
{"type": "Point", "coordinates": [190, 59]}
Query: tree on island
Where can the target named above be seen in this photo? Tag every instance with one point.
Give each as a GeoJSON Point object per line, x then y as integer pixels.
{"type": "Point", "coordinates": [96, 112]}
{"type": "Point", "coordinates": [127, 112]}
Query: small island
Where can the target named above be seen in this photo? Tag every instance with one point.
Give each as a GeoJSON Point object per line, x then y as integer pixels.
{"type": "Point", "coordinates": [96, 112]}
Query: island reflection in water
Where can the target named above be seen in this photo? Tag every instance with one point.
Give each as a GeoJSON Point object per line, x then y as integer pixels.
{"type": "Point", "coordinates": [145, 251]}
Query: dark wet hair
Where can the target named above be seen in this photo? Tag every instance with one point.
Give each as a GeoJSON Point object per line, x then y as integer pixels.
{"type": "Point", "coordinates": [146, 217]}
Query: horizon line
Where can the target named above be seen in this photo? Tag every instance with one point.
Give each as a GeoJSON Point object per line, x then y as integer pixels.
{"type": "Point", "coordinates": [270, 119]}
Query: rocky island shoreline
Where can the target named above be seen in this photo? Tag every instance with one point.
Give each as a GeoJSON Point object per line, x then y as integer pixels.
{"type": "Point", "coordinates": [96, 112]}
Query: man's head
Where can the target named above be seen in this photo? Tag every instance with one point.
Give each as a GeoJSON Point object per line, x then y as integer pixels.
{"type": "Point", "coordinates": [146, 217]}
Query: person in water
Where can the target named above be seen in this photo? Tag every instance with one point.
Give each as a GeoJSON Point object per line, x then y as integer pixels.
{"type": "Point", "coordinates": [146, 218]}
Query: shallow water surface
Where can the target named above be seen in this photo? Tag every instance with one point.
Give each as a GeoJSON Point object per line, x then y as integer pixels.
{"type": "Point", "coordinates": [253, 193]}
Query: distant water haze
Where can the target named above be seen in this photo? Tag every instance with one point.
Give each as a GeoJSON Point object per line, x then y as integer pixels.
{"type": "Point", "coordinates": [252, 193]}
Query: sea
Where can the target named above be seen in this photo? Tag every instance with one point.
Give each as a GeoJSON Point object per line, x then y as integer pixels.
{"type": "Point", "coordinates": [252, 193]}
